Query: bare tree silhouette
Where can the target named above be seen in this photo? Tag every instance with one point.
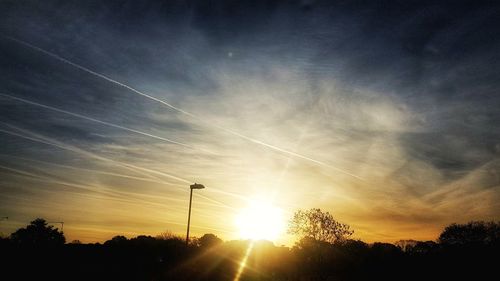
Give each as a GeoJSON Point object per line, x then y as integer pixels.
{"type": "Point", "coordinates": [319, 225]}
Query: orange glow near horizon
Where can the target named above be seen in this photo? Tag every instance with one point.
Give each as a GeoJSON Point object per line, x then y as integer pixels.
{"type": "Point", "coordinates": [118, 156]}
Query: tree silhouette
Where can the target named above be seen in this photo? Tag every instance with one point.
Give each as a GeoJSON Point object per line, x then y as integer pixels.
{"type": "Point", "coordinates": [38, 234]}
{"type": "Point", "coordinates": [474, 232]}
{"type": "Point", "coordinates": [168, 258]}
{"type": "Point", "coordinates": [319, 225]}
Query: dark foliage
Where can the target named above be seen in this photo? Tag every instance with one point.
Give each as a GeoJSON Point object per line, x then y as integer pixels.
{"type": "Point", "coordinates": [472, 233]}
{"type": "Point", "coordinates": [38, 234]}
{"type": "Point", "coordinates": [472, 256]}
{"type": "Point", "coordinates": [209, 240]}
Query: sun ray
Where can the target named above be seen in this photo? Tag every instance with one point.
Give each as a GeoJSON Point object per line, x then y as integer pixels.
{"type": "Point", "coordinates": [243, 262]}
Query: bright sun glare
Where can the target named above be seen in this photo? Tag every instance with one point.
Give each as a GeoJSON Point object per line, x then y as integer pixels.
{"type": "Point", "coordinates": [260, 220]}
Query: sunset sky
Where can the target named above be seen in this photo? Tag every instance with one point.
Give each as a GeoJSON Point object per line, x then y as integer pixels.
{"type": "Point", "coordinates": [386, 115]}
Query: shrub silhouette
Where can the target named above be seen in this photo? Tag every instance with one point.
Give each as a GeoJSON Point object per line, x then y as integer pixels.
{"type": "Point", "coordinates": [209, 240]}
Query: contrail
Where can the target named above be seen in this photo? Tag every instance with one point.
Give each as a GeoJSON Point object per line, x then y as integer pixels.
{"type": "Point", "coordinates": [21, 172]}
{"type": "Point", "coordinates": [109, 124]}
{"type": "Point", "coordinates": [181, 110]}
{"type": "Point", "coordinates": [85, 169]}
{"type": "Point", "coordinates": [115, 195]}
{"type": "Point", "coordinates": [52, 181]}
{"type": "Point", "coordinates": [101, 122]}
{"type": "Point", "coordinates": [141, 170]}
{"type": "Point", "coordinates": [97, 74]}
{"type": "Point", "coordinates": [137, 169]}
{"type": "Point", "coordinates": [49, 180]}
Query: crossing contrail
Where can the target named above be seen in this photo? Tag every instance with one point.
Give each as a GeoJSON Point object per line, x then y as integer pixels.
{"type": "Point", "coordinates": [46, 179]}
{"type": "Point", "coordinates": [114, 195]}
{"type": "Point", "coordinates": [102, 122]}
{"type": "Point", "coordinates": [198, 118]}
{"type": "Point", "coordinates": [211, 189]}
{"type": "Point", "coordinates": [85, 169]}
{"type": "Point", "coordinates": [137, 169]}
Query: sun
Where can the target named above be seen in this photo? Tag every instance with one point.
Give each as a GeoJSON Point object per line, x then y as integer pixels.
{"type": "Point", "coordinates": [260, 220]}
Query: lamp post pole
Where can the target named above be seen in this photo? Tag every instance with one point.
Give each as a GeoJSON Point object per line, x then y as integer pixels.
{"type": "Point", "coordinates": [193, 186]}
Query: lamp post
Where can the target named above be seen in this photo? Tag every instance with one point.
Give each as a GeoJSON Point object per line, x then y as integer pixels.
{"type": "Point", "coordinates": [193, 186]}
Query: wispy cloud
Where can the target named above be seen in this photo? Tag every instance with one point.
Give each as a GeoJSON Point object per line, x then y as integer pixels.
{"type": "Point", "coordinates": [389, 119]}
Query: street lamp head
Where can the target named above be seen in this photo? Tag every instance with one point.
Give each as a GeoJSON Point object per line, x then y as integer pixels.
{"type": "Point", "coordinates": [197, 186]}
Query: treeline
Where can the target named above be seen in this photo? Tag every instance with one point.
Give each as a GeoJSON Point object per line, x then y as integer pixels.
{"type": "Point", "coordinates": [462, 252]}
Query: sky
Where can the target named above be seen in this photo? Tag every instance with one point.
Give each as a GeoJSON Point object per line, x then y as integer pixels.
{"type": "Point", "coordinates": [385, 114]}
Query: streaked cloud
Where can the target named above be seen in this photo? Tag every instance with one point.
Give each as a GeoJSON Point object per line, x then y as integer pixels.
{"type": "Point", "coordinates": [387, 117]}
